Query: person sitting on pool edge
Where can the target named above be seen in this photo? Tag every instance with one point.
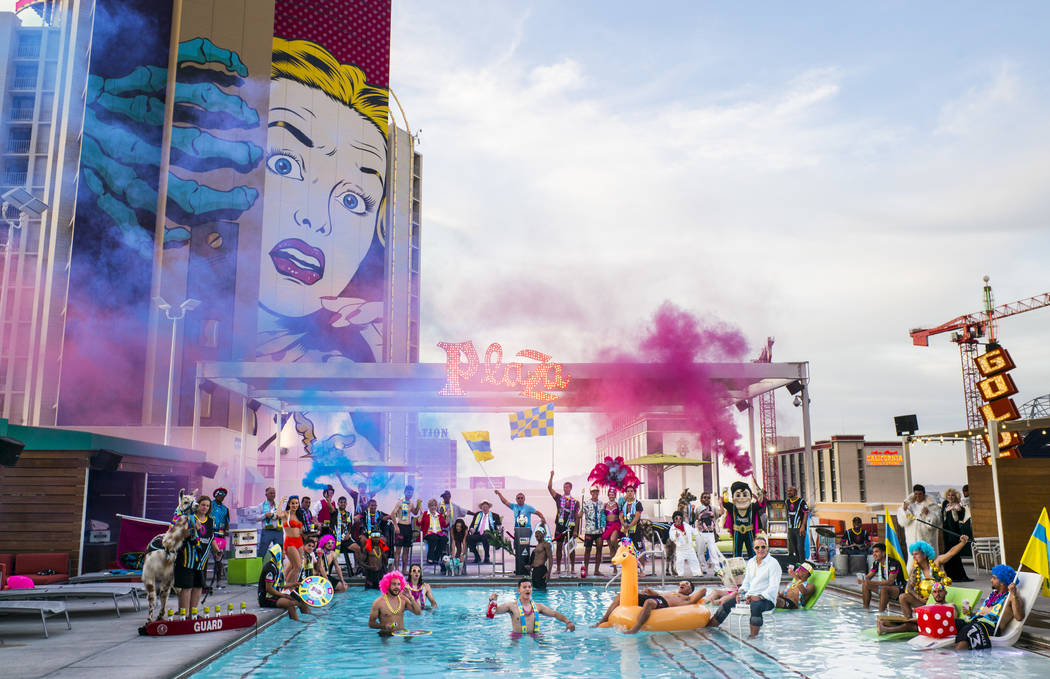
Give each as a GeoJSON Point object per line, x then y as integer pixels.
{"type": "Point", "coordinates": [759, 589]}
{"type": "Point", "coordinates": [523, 611]}
{"type": "Point", "coordinates": [650, 600]}
{"type": "Point", "coordinates": [976, 633]}
{"type": "Point", "coordinates": [799, 589]}
{"type": "Point", "coordinates": [892, 626]}
{"type": "Point", "coordinates": [388, 610]}
{"type": "Point", "coordinates": [886, 576]}
{"type": "Point", "coordinates": [271, 584]}
{"type": "Point", "coordinates": [925, 570]}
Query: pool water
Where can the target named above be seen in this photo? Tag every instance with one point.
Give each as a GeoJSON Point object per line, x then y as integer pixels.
{"type": "Point", "coordinates": [818, 643]}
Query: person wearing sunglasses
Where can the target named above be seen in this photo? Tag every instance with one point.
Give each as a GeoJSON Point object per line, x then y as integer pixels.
{"type": "Point", "coordinates": [759, 589]}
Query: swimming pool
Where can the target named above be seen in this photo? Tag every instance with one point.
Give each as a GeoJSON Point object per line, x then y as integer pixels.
{"type": "Point", "coordinates": [818, 643]}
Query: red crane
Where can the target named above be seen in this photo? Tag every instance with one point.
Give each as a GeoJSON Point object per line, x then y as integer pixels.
{"type": "Point", "coordinates": [967, 331]}
{"type": "Point", "coordinates": [767, 425]}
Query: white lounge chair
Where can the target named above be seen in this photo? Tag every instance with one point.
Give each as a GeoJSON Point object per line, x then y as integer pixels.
{"type": "Point", "coordinates": [1028, 588]}
{"type": "Point", "coordinates": [80, 591]}
{"type": "Point", "coordinates": [46, 609]}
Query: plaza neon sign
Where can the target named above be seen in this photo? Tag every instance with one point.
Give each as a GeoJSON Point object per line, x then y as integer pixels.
{"type": "Point", "coordinates": [536, 380]}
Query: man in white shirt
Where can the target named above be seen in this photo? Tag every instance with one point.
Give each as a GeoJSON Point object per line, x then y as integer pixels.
{"type": "Point", "coordinates": [684, 536]}
{"type": "Point", "coordinates": [759, 589]}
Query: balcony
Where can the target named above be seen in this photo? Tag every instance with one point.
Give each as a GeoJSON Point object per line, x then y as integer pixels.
{"type": "Point", "coordinates": [15, 178]}
{"type": "Point", "coordinates": [29, 50]}
{"type": "Point", "coordinates": [18, 146]}
{"type": "Point", "coordinates": [21, 114]}
{"type": "Point", "coordinates": [23, 83]}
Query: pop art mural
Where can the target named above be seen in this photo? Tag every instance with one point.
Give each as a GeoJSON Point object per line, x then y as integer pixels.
{"type": "Point", "coordinates": [274, 217]}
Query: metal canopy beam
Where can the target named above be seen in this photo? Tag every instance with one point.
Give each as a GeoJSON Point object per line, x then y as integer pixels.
{"type": "Point", "coordinates": [394, 387]}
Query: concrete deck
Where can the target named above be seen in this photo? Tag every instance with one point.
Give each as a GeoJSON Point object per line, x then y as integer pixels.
{"type": "Point", "coordinates": [103, 646]}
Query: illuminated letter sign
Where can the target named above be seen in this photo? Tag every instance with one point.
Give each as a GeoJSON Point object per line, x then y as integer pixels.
{"type": "Point", "coordinates": [543, 375]}
{"type": "Point", "coordinates": [885, 458]}
{"type": "Point", "coordinates": [996, 389]}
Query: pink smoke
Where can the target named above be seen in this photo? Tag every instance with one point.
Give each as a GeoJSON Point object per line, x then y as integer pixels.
{"type": "Point", "coordinates": [677, 344]}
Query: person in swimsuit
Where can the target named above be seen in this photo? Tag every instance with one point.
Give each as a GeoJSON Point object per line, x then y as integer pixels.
{"type": "Point", "coordinates": [293, 537]}
{"type": "Point", "coordinates": [892, 624]}
{"type": "Point", "coordinates": [926, 570]}
{"type": "Point", "coordinates": [539, 562]}
{"type": "Point", "coordinates": [650, 600]}
{"type": "Point", "coordinates": [565, 522]}
{"type": "Point", "coordinates": [405, 514]}
{"type": "Point", "coordinates": [388, 611]}
{"type": "Point", "coordinates": [418, 589]}
{"type": "Point", "coordinates": [799, 589]}
{"type": "Point", "coordinates": [328, 564]}
{"type": "Point", "coordinates": [523, 611]}
{"type": "Point", "coordinates": [612, 534]}
{"type": "Point", "coordinates": [272, 584]}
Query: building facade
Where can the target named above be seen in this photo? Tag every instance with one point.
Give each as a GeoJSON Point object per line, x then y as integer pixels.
{"type": "Point", "coordinates": [631, 438]}
{"type": "Point", "coordinates": [83, 342]}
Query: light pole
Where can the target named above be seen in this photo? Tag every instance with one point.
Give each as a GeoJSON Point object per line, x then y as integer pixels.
{"type": "Point", "coordinates": [174, 314]}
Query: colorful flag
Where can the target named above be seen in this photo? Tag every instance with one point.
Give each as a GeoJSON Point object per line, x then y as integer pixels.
{"type": "Point", "coordinates": [478, 441]}
{"type": "Point", "coordinates": [1037, 554]}
{"type": "Point", "coordinates": [893, 543]}
{"type": "Point", "coordinates": [532, 422]}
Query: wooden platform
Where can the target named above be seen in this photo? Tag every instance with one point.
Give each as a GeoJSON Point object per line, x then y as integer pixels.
{"type": "Point", "coordinates": [1024, 485]}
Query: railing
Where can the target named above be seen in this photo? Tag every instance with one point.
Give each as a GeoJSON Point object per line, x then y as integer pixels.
{"type": "Point", "coordinates": [15, 178]}
{"type": "Point", "coordinates": [23, 83]}
{"type": "Point", "coordinates": [29, 51]}
{"type": "Point", "coordinates": [18, 146]}
{"type": "Point", "coordinates": [21, 114]}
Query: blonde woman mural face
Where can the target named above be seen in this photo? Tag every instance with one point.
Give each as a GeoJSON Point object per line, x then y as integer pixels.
{"type": "Point", "coordinates": [326, 167]}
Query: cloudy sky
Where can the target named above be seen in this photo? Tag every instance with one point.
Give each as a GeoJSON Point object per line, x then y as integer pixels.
{"type": "Point", "coordinates": [830, 176]}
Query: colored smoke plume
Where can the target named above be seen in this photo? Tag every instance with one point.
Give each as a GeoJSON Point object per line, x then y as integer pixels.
{"type": "Point", "coordinates": [676, 344]}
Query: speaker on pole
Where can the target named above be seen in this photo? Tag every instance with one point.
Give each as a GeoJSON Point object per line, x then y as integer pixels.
{"type": "Point", "coordinates": [208, 469]}
{"type": "Point", "coordinates": [10, 450]}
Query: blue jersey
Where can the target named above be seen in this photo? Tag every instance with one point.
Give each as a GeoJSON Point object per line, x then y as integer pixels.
{"type": "Point", "coordinates": [220, 516]}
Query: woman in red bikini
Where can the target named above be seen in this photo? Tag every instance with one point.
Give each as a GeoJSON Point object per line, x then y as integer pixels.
{"type": "Point", "coordinates": [293, 539]}
{"type": "Point", "coordinates": [612, 532]}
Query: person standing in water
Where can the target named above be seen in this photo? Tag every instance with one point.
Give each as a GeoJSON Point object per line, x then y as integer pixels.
{"type": "Point", "coordinates": [388, 611]}
{"type": "Point", "coordinates": [523, 611]}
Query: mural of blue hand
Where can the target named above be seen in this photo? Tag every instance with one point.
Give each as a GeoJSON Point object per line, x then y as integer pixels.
{"type": "Point", "coordinates": [117, 157]}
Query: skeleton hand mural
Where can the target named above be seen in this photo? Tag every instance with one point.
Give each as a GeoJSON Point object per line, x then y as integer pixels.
{"type": "Point", "coordinates": [117, 159]}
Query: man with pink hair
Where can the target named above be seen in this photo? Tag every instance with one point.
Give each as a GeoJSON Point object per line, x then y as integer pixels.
{"type": "Point", "coordinates": [388, 611]}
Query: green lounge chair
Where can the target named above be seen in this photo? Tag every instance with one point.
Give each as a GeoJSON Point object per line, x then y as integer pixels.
{"type": "Point", "coordinates": [819, 580]}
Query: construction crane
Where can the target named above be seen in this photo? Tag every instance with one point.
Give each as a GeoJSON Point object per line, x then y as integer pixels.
{"type": "Point", "coordinates": [968, 332]}
{"type": "Point", "coordinates": [767, 425]}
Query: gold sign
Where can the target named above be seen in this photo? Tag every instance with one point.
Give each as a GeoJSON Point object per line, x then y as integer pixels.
{"type": "Point", "coordinates": [885, 458]}
{"type": "Point", "coordinates": [996, 389]}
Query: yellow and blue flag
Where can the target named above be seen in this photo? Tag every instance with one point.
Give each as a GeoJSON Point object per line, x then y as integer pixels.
{"type": "Point", "coordinates": [893, 543]}
{"type": "Point", "coordinates": [532, 422]}
{"type": "Point", "coordinates": [1037, 554]}
{"type": "Point", "coordinates": [478, 441]}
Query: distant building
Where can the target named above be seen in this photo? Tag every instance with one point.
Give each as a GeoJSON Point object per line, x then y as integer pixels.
{"type": "Point", "coordinates": [853, 476]}
{"type": "Point", "coordinates": [650, 433]}
{"type": "Point", "coordinates": [432, 465]}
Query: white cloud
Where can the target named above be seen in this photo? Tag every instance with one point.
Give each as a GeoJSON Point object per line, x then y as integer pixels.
{"type": "Point", "coordinates": [561, 206]}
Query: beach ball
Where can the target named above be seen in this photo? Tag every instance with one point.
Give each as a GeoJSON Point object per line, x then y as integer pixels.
{"type": "Point", "coordinates": [936, 620]}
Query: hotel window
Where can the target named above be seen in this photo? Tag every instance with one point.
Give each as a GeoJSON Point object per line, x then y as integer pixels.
{"type": "Point", "coordinates": [860, 475]}
{"type": "Point", "coordinates": [832, 456]}
{"type": "Point", "coordinates": [820, 475]}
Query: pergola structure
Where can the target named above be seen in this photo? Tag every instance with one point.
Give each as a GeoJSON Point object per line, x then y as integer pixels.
{"type": "Point", "coordinates": [418, 387]}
